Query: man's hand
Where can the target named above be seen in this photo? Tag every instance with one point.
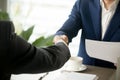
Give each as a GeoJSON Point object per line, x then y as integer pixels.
{"type": "Point", "coordinates": [62, 38]}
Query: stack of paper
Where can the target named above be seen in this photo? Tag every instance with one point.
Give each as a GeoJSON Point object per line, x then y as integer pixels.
{"type": "Point", "coordinates": [108, 51]}
{"type": "Point", "coordinates": [71, 76]}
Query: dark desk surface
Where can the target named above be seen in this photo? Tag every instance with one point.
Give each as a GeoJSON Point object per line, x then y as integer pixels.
{"type": "Point", "coordinates": [102, 73]}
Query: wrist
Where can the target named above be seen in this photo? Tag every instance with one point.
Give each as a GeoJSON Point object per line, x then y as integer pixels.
{"type": "Point", "coordinates": [61, 41]}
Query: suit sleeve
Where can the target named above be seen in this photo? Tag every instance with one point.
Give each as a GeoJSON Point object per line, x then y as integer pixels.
{"type": "Point", "coordinates": [73, 24]}
{"type": "Point", "coordinates": [26, 58]}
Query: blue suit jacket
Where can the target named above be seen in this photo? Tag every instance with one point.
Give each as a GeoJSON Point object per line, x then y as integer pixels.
{"type": "Point", "coordinates": [86, 15]}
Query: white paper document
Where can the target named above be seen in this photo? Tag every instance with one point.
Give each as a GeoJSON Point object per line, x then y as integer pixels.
{"type": "Point", "coordinates": [108, 51]}
{"type": "Point", "coordinates": [71, 76]}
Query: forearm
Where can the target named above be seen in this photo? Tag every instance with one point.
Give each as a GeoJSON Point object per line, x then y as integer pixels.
{"type": "Point", "coordinates": [29, 59]}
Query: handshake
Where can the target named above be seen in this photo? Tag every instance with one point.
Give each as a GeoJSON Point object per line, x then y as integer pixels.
{"type": "Point", "coordinates": [61, 38]}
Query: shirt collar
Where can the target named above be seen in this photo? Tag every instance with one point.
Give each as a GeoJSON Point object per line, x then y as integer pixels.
{"type": "Point", "coordinates": [112, 7]}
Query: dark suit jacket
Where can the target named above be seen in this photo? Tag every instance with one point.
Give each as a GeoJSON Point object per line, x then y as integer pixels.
{"type": "Point", "coordinates": [18, 56]}
{"type": "Point", "coordinates": [86, 15]}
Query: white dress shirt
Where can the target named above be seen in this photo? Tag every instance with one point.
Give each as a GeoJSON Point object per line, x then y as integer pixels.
{"type": "Point", "coordinates": [107, 15]}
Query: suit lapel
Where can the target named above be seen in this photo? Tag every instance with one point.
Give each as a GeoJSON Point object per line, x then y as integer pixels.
{"type": "Point", "coordinates": [95, 11]}
{"type": "Point", "coordinates": [114, 25]}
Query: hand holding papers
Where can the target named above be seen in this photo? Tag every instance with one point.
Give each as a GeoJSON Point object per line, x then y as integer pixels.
{"type": "Point", "coordinates": [108, 51]}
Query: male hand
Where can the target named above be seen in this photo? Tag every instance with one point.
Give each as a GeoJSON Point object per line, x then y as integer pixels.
{"type": "Point", "coordinates": [59, 38]}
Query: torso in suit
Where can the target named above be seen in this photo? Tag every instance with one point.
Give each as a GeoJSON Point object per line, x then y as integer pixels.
{"type": "Point", "coordinates": [18, 56]}
{"type": "Point", "coordinates": [86, 15]}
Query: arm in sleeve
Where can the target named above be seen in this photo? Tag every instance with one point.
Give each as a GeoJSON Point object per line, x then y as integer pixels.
{"type": "Point", "coordinates": [73, 24]}
{"type": "Point", "coordinates": [26, 58]}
